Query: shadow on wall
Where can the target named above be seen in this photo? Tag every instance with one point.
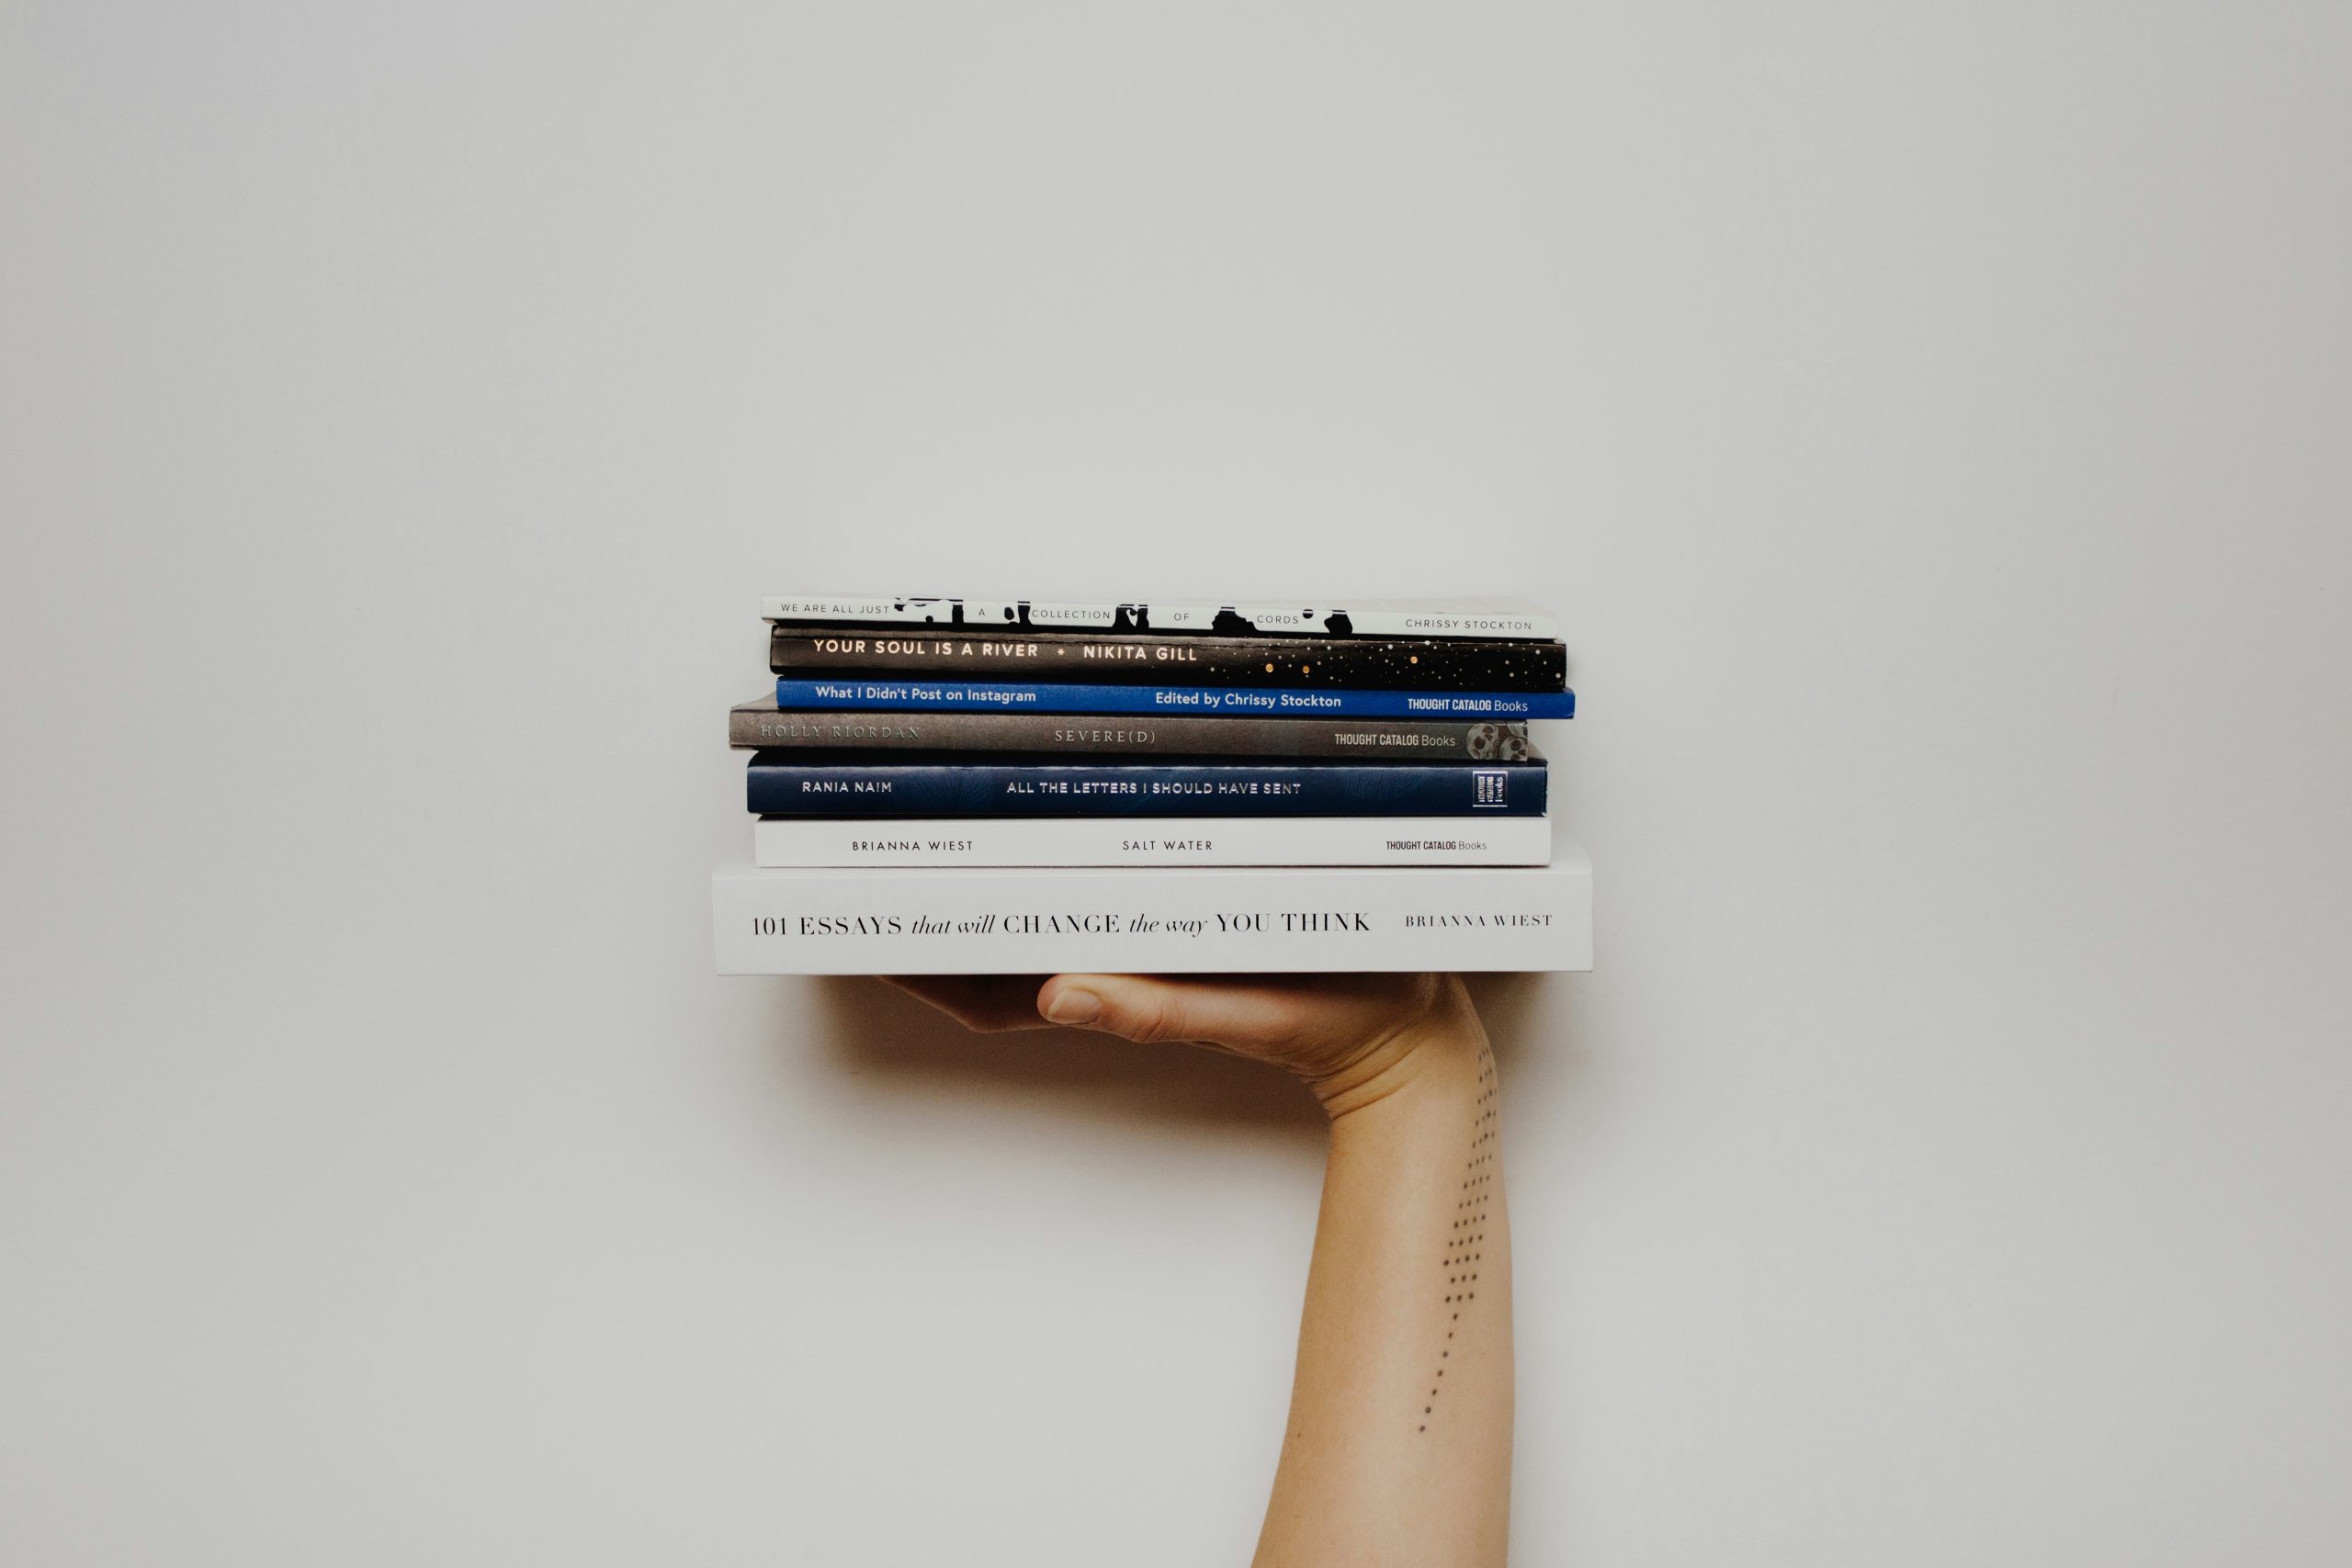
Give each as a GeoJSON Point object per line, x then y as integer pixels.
{"type": "Point", "coordinates": [1508, 1004]}
{"type": "Point", "coordinates": [891, 1044]}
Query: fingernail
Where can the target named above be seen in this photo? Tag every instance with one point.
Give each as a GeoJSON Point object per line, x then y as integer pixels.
{"type": "Point", "coordinates": [1071, 1005]}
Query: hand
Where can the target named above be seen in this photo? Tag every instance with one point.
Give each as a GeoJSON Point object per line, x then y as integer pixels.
{"type": "Point", "coordinates": [1354, 1039]}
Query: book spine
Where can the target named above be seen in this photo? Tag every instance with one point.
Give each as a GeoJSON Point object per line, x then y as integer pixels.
{"type": "Point", "coordinates": [787, 784]}
{"type": "Point", "coordinates": [1173, 921]}
{"type": "Point", "coordinates": [1405, 618]}
{"type": "Point", "coordinates": [762, 725]}
{"type": "Point", "coordinates": [1168, 841]}
{"type": "Point", "coordinates": [1398, 663]}
{"type": "Point", "coordinates": [955, 696]}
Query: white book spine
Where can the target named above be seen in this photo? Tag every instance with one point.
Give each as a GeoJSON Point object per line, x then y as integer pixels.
{"type": "Point", "coordinates": [1154, 840]}
{"type": "Point", "coordinates": [969, 921]}
{"type": "Point", "coordinates": [1472, 617]}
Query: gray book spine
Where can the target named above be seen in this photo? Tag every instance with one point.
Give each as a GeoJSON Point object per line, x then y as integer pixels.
{"type": "Point", "coordinates": [760, 726]}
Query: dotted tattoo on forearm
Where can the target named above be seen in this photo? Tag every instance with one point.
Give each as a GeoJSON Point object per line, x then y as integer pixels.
{"type": "Point", "coordinates": [1466, 1237]}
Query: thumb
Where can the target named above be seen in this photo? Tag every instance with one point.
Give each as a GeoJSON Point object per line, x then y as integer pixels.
{"type": "Point", "coordinates": [1323, 1027]}
{"type": "Point", "coordinates": [1283, 1016]}
{"type": "Point", "coordinates": [1143, 1007]}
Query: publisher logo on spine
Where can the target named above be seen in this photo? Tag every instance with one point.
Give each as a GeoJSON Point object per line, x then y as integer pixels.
{"type": "Point", "coordinates": [1489, 788]}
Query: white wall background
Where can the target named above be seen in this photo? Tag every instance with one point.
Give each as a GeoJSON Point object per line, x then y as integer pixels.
{"type": "Point", "coordinates": [1929, 420]}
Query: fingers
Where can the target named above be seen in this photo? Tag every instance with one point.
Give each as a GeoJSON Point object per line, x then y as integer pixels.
{"type": "Point", "coordinates": [987, 1004]}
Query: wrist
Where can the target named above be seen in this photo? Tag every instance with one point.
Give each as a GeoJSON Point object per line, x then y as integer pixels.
{"type": "Point", "coordinates": [1434, 1059]}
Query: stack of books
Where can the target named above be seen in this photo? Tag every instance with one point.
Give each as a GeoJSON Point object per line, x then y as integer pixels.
{"type": "Point", "coordinates": [970, 785]}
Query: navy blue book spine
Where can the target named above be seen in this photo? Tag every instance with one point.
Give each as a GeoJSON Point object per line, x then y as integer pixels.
{"type": "Point", "coordinates": [1002, 696]}
{"type": "Point", "coordinates": [789, 784]}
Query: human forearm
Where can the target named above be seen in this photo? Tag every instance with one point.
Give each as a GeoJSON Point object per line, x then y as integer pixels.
{"type": "Point", "coordinates": [1398, 1445]}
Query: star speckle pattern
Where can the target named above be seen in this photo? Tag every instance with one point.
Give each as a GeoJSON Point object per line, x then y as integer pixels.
{"type": "Point", "coordinates": [1432, 664]}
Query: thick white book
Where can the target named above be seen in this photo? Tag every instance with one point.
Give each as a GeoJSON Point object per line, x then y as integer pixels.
{"type": "Point", "coordinates": [1153, 841]}
{"type": "Point", "coordinates": [1482, 617]}
{"type": "Point", "coordinates": [1167, 921]}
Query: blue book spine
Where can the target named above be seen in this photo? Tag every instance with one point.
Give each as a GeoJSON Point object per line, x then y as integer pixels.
{"type": "Point", "coordinates": [788, 784]}
{"type": "Point", "coordinates": [999, 696]}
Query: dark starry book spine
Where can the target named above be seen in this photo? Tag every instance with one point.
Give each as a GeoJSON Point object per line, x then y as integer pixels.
{"type": "Point", "coordinates": [1364, 663]}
